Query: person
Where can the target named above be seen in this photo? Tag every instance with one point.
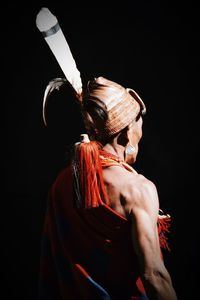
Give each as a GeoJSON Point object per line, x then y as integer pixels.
{"type": "Point", "coordinates": [104, 232]}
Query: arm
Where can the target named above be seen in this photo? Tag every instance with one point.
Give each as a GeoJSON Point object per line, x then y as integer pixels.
{"type": "Point", "coordinates": [142, 207]}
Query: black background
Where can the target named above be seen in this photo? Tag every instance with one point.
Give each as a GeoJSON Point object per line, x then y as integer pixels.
{"type": "Point", "coordinates": [150, 46]}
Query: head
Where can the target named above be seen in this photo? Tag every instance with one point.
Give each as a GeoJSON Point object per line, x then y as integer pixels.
{"type": "Point", "coordinates": [113, 113]}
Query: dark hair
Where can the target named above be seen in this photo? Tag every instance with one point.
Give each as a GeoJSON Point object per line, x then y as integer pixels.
{"type": "Point", "coordinates": [95, 115]}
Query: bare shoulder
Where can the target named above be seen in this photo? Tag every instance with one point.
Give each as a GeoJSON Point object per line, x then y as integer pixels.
{"type": "Point", "coordinates": [141, 193]}
{"type": "Point", "coordinates": [134, 191]}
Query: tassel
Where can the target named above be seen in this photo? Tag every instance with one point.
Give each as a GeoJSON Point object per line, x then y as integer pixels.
{"type": "Point", "coordinates": [87, 169]}
{"type": "Point", "coordinates": [164, 223]}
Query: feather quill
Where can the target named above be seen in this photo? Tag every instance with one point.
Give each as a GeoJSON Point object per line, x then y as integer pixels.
{"type": "Point", "coordinates": [48, 25]}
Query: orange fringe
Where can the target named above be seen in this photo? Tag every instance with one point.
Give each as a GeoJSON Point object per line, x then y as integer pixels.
{"type": "Point", "coordinates": [164, 223]}
{"type": "Point", "coordinates": [90, 175]}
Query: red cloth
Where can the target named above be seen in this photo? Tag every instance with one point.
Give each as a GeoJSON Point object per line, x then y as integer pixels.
{"type": "Point", "coordinates": [86, 253]}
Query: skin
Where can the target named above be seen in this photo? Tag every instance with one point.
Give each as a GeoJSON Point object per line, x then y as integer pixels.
{"type": "Point", "coordinates": [135, 197]}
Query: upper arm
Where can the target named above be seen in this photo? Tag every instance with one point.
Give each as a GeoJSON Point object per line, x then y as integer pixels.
{"type": "Point", "coordinates": [142, 208]}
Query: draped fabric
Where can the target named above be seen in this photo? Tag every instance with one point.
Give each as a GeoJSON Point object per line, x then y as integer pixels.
{"type": "Point", "coordinates": [87, 254]}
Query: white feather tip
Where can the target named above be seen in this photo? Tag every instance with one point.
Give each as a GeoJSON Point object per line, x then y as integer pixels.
{"type": "Point", "coordinates": [45, 19]}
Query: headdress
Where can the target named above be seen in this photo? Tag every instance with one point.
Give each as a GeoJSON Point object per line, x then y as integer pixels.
{"type": "Point", "coordinates": [121, 106]}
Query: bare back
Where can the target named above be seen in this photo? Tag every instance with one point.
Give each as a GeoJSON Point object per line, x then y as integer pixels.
{"type": "Point", "coordinates": [119, 181]}
{"type": "Point", "coordinates": [135, 198]}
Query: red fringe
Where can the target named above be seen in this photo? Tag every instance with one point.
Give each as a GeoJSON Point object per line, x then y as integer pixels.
{"type": "Point", "coordinates": [164, 223]}
{"type": "Point", "coordinates": [91, 176]}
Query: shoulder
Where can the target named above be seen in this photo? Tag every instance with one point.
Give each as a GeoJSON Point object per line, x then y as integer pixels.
{"type": "Point", "coordinates": [135, 190]}
{"type": "Point", "coordinates": [140, 194]}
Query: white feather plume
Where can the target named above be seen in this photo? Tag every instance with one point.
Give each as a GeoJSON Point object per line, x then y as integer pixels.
{"type": "Point", "coordinates": [45, 22]}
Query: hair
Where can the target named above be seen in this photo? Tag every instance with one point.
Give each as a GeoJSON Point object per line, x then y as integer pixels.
{"type": "Point", "coordinates": [95, 115]}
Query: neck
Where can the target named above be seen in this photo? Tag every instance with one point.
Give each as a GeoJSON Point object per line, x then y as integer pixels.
{"type": "Point", "coordinates": [115, 149]}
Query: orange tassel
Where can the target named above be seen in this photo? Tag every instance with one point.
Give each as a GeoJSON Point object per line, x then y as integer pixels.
{"type": "Point", "coordinates": [90, 174]}
{"type": "Point", "coordinates": [164, 223]}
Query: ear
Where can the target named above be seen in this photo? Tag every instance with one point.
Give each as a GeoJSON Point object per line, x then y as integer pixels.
{"type": "Point", "coordinates": [123, 137]}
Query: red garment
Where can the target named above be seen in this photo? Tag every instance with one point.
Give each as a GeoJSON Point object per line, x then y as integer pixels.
{"type": "Point", "coordinates": [86, 253]}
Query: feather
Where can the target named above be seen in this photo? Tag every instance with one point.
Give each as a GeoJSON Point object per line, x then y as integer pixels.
{"type": "Point", "coordinates": [53, 85]}
{"type": "Point", "coordinates": [48, 25]}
